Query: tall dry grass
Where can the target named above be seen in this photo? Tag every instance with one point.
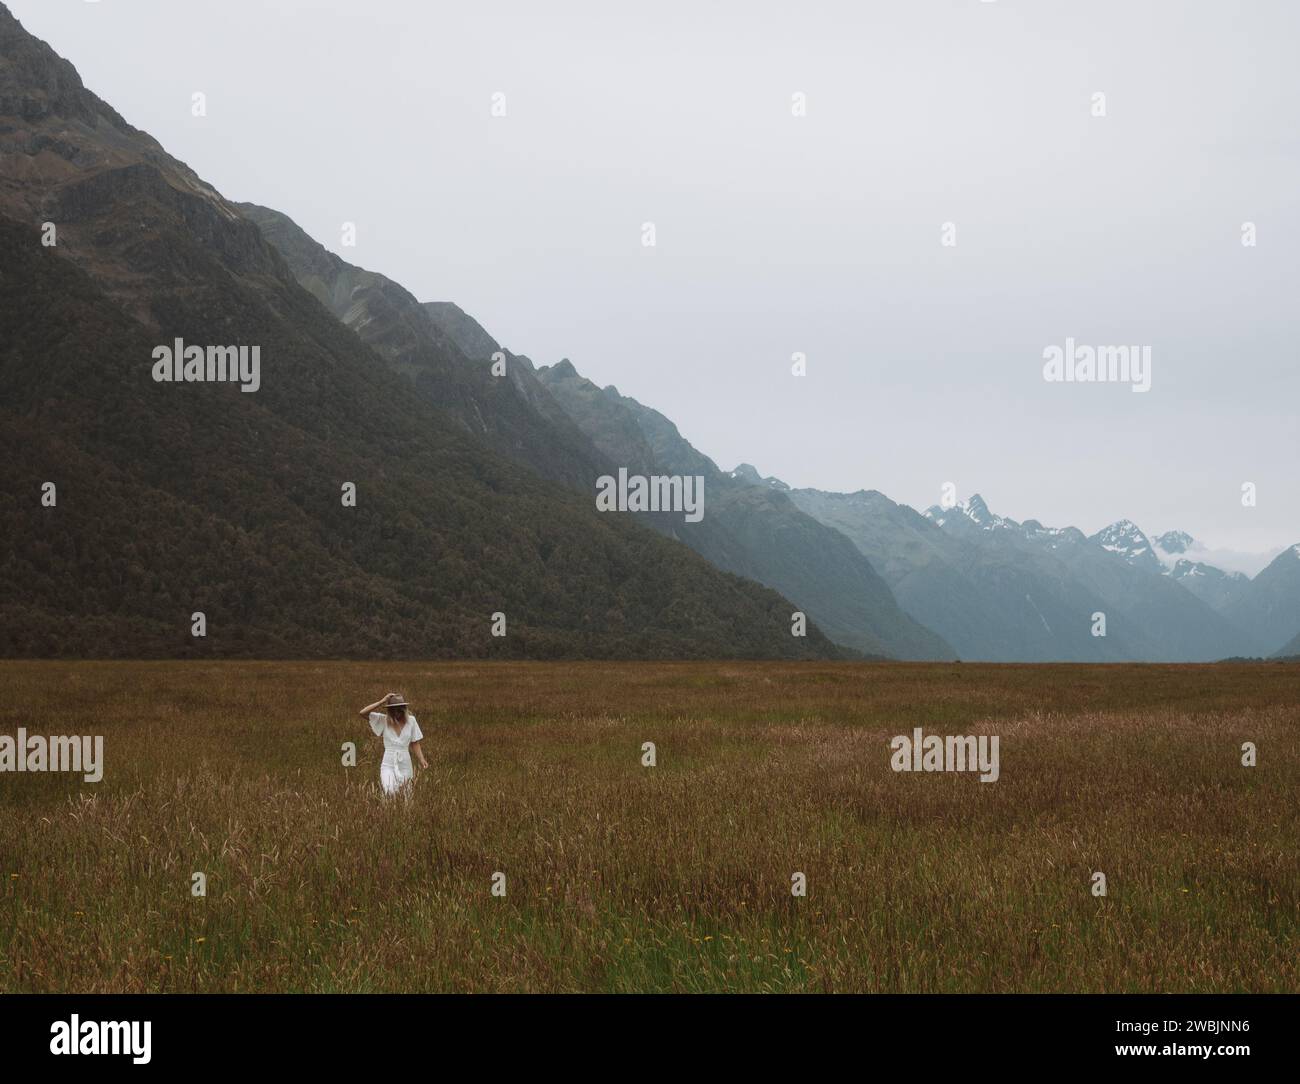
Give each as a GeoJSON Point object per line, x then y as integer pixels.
{"type": "Point", "coordinates": [677, 877]}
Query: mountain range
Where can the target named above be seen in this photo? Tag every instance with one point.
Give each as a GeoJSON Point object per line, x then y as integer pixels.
{"type": "Point", "coordinates": [172, 500]}
{"type": "Point", "coordinates": [474, 469]}
{"type": "Point", "coordinates": [563, 426]}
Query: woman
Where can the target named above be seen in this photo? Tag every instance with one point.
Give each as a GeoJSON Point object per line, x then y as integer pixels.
{"type": "Point", "coordinates": [401, 734]}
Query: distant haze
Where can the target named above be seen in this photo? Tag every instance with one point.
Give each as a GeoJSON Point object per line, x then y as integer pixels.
{"type": "Point", "coordinates": [818, 234]}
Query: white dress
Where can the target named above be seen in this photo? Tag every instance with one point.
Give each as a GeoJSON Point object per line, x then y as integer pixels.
{"type": "Point", "coordinates": [395, 768]}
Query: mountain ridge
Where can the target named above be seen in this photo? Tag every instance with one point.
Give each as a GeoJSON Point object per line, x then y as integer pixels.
{"type": "Point", "coordinates": [768, 542]}
{"type": "Point", "coordinates": [174, 500]}
{"type": "Point", "coordinates": [489, 476]}
{"type": "Point", "coordinates": [1007, 591]}
{"type": "Point", "coordinates": [753, 531]}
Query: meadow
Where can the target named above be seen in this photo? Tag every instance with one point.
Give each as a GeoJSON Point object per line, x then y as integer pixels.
{"type": "Point", "coordinates": [677, 877]}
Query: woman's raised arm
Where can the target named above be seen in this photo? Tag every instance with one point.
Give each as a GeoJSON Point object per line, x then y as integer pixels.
{"type": "Point", "coordinates": [365, 712]}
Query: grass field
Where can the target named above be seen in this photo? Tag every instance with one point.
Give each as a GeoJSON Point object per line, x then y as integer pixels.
{"type": "Point", "coordinates": [677, 877]}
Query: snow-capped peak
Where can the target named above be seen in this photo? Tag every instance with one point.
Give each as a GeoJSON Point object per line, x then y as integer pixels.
{"type": "Point", "coordinates": [1123, 534]}
{"type": "Point", "coordinates": [973, 510]}
{"type": "Point", "coordinates": [1124, 539]}
{"type": "Point", "coordinates": [1174, 542]}
{"type": "Point", "coordinates": [977, 510]}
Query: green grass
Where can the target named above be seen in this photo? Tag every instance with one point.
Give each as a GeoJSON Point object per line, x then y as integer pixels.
{"type": "Point", "coordinates": [624, 878]}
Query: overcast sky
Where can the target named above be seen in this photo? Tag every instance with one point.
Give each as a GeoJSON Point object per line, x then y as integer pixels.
{"type": "Point", "coordinates": [820, 233]}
